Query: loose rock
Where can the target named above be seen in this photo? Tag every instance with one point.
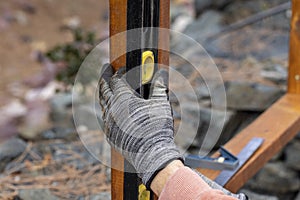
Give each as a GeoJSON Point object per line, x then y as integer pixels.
{"type": "Point", "coordinates": [292, 154]}
{"type": "Point", "coordinates": [101, 196]}
{"type": "Point", "coordinates": [276, 178]}
{"type": "Point", "coordinates": [9, 150]}
{"type": "Point", "coordinates": [209, 22]}
{"type": "Point", "coordinates": [61, 114]}
{"type": "Point", "coordinates": [36, 119]}
{"type": "Point", "coordinates": [36, 194]}
{"type": "Point", "coordinates": [275, 73]}
{"type": "Point", "coordinates": [67, 134]}
{"type": "Point", "coordinates": [247, 96]}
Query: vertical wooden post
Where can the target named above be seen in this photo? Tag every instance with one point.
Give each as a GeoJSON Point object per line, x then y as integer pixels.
{"type": "Point", "coordinates": [164, 22]}
{"type": "Point", "coordinates": [164, 36]}
{"type": "Point", "coordinates": [294, 62]}
{"type": "Point", "coordinates": [118, 24]}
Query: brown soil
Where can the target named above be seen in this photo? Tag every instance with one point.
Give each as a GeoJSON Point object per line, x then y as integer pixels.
{"type": "Point", "coordinates": [30, 25]}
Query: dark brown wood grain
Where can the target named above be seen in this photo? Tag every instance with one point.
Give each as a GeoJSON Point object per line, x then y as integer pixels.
{"type": "Point", "coordinates": [294, 62]}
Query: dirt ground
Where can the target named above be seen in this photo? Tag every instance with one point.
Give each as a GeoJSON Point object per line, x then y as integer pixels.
{"type": "Point", "coordinates": [30, 25]}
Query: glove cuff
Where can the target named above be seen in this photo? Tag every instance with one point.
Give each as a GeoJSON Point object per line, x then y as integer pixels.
{"type": "Point", "coordinates": [148, 177]}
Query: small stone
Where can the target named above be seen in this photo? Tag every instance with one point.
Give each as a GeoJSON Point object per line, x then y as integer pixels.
{"type": "Point", "coordinates": [181, 22]}
{"type": "Point", "coordinates": [14, 109]}
{"type": "Point", "coordinates": [275, 73]}
{"type": "Point", "coordinates": [67, 134]}
{"type": "Point", "coordinates": [21, 18]}
{"type": "Point", "coordinates": [61, 114]}
{"type": "Point", "coordinates": [66, 99]}
{"type": "Point", "coordinates": [71, 22]}
{"type": "Point", "coordinates": [36, 194]}
{"type": "Point", "coordinates": [208, 23]}
{"type": "Point", "coordinates": [88, 155]}
{"type": "Point", "coordinates": [101, 196]}
{"type": "Point", "coordinates": [247, 96]}
{"type": "Point", "coordinates": [179, 10]}
{"type": "Point", "coordinates": [9, 150]}
{"type": "Point", "coordinates": [36, 119]}
{"type": "Point", "coordinates": [276, 178]}
{"type": "Point", "coordinates": [292, 153]}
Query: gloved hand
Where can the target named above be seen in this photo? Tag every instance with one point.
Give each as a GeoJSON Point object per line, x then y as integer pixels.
{"type": "Point", "coordinates": [141, 130]}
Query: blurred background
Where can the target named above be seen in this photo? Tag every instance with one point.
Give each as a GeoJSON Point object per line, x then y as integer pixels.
{"type": "Point", "coordinates": [44, 42]}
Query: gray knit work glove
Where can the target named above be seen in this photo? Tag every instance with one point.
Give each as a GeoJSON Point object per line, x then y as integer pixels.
{"type": "Point", "coordinates": [141, 130]}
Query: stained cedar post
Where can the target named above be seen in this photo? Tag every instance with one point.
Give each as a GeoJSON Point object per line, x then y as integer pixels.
{"type": "Point", "coordinates": [118, 24]}
{"type": "Point", "coordinates": [164, 37]}
{"type": "Point", "coordinates": [278, 125]}
{"type": "Point", "coordinates": [294, 62]}
{"type": "Point", "coordinates": [118, 14]}
{"type": "Point", "coordinates": [164, 22]}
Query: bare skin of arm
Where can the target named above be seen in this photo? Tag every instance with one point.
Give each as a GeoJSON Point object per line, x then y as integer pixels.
{"type": "Point", "coordinates": [162, 177]}
{"type": "Point", "coordinates": [178, 182]}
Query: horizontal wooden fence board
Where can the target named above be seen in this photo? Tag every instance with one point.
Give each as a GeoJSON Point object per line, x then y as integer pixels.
{"type": "Point", "coordinates": [278, 125]}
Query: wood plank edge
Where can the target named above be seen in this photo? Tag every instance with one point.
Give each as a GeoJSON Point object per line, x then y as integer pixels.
{"type": "Point", "coordinates": [288, 104]}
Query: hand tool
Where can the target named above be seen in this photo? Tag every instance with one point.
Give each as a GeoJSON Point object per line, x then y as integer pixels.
{"type": "Point", "coordinates": [226, 161]}
{"type": "Point", "coordinates": [243, 156]}
{"type": "Point", "coordinates": [143, 17]}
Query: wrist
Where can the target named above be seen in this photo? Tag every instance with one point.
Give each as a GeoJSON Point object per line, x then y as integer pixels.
{"type": "Point", "coordinates": [162, 177]}
{"type": "Point", "coordinates": [156, 160]}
